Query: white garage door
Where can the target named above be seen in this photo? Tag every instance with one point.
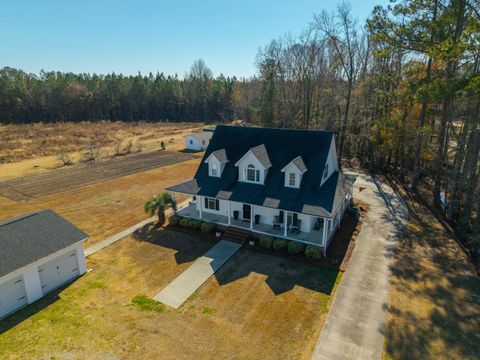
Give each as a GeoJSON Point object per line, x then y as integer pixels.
{"type": "Point", "coordinates": [58, 271]}
{"type": "Point", "coordinates": [12, 296]}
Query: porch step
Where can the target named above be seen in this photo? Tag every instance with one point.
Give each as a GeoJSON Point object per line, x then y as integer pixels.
{"type": "Point", "coordinates": [236, 235]}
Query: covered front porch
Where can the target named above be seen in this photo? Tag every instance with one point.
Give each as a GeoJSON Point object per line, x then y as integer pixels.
{"type": "Point", "coordinates": [262, 220]}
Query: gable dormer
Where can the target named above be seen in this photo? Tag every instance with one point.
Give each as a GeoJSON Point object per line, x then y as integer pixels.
{"type": "Point", "coordinates": [216, 162]}
{"type": "Point", "coordinates": [294, 171]}
{"type": "Point", "coordinates": [331, 165]}
{"type": "Point", "coordinates": [253, 166]}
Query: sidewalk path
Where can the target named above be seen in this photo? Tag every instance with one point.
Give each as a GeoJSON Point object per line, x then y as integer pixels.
{"type": "Point", "coordinates": [112, 239]}
{"type": "Point", "coordinates": [356, 322]}
{"type": "Point", "coordinates": [180, 289]}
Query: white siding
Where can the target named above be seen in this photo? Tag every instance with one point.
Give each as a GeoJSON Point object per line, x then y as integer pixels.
{"type": "Point", "coordinates": [192, 143]}
{"type": "Point", "coordinates": [332, 161]}
{"type": "Point", "coordinates": [291, 168]}
{"type": "Point", "coordinates": [247, 160]}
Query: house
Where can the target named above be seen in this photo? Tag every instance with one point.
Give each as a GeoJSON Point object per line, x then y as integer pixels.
{"type": "Point", "coordinates": [283, 183]}
{"type": "Point", "coordinates": [39, 252]}
{"type": "Point", "coordinates": [210, 128]}
{"type": "Point", "coordinates": [198, 141]}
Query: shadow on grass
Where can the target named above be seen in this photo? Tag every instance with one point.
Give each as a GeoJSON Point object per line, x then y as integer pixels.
{"type": "Point", "coordinates": [188, 247]}
{"type": "Point", "coordinates": [428, 255]}
{"type": "Point", "coordinates": [31, 309]}
{"type": "Point", "coordinates": [282, 274]}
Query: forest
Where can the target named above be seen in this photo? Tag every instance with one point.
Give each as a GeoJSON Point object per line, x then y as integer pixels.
{"type": "Point", "coordinates": [402, 92]}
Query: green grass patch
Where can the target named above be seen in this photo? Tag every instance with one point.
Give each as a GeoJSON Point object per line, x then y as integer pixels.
{"type": "Point", "coordinates": [207, 311]}
{"type": "Point", "coordinates": [144, 303]}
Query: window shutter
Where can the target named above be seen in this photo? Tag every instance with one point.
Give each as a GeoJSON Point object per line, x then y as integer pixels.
{"type": "Point", "coordinates": [217, 204]}
{"type": "Point", "coordinates": [206, 203]}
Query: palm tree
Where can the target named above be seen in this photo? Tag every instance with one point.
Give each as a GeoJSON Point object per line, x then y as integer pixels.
{"type": "Point", "coordinates": [158, 204]}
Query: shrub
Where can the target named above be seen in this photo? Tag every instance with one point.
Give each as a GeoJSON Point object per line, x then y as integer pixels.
{"type": "Point", "coordinates": [266, 242]}
{"type": "Point", "coordinates": [206, 227]}
{"type": "Point", "coordinates": [184, 222]}
{"type": "Point", "coordinates": [280, 244]}
{"type": "Point", "coordinates": [195, 224]}
{"type": "Point", "coordinates": [162, 145]}
{"type": "Point", "coordinates": [313, 252]}
{"type": "Point", "coordinates": [175, 219]}
{"type": "Point", "coordinates": [295, 247]}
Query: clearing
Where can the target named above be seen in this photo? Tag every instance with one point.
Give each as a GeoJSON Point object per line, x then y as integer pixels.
{"type": "Point", "coordinates": [256, 306]}
{"type": "Point", "coordinates": [105, 208]}
{"type": "Point", "coordinates": [67, 178]}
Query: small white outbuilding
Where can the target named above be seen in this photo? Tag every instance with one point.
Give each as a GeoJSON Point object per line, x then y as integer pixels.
{"type": "Point", "coordinates": [198, 141]}
{"type": "Point", "coordinates": [39, 252]}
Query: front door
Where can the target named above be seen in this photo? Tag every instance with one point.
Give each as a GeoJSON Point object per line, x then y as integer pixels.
{"type": "Point", "coordinates": [247, 212]}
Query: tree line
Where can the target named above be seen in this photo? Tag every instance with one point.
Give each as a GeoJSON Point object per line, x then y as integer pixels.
{"type": "Point", "coordinates": [57, 96]}
{"type": "Point", "coordinates": [402, 91]}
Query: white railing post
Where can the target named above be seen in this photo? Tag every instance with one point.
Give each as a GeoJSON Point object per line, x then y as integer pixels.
{"type": "Point", "coordinates": [285, 223]}
{"type": "Point", "coordinates": [200, 208]}
{"type": "Point", "coordinates": [229, 212]}
{"type": "Point", "coordinates": [251, 217]}
{"type": "Point", "coordinates": [324, 238]}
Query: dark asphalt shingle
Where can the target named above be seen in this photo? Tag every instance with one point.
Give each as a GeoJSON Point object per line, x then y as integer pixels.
{"type": "Point", "coordinates": [282, 146]}
{"type": "Point", "coordinates": [28, 238]}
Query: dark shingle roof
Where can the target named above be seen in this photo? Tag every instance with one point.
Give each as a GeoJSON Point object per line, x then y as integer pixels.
{"type": "Point", "coordinates": [28, 238]}
{"type": "Point", "coordinates": [282, 146]}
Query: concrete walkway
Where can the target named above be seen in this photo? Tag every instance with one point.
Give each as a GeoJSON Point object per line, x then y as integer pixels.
{"type": "Point", "coordinates": [180, 289]}
{"type": "Point", "coordinates": [356, 323]}
{"type": "Point", "coordinates": [112, 239]}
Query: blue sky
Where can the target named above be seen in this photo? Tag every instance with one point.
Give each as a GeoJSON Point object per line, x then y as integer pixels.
{"type": "Point", "coordinates": [167, 36]}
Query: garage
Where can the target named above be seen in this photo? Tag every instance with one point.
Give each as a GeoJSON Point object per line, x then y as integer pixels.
{"type": "Point", "coordinates": [40, 252]}
{"type": "Point", "coordinates": [58, 271]}
{"type": "Point", "coordinates": [12, 296]}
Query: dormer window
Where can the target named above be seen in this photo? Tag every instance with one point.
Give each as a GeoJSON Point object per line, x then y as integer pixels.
{"type": "Point", "coordinates": [325, 172]}
{"type": "Point", "coordinates": [291, 179]}
{"type": "Point", "coordinates": [294, 171]}
{"type": "Point", "coordinates": [252, 174]}
{"type": "Point", "coordinates": [216, 162]}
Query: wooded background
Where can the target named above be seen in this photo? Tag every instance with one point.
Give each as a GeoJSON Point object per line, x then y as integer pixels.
{"type": "Point", "coordinates": [402, 91]}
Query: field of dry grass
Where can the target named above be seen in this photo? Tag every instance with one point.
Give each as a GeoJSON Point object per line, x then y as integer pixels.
{"type": "Point", "coordinates": [434, 305]}
{"type": "Point", "coordinates": [105, 208]}
{"type": "Point", "coordinates": [257, 306]}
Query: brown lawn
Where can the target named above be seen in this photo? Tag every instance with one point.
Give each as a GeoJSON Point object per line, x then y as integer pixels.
{"type": "Point", "coordinates": [434, 306]}
{"type": "Point", "coordinates": [257, 306]}
{"type": "Point", "coordinates": [105, 208]}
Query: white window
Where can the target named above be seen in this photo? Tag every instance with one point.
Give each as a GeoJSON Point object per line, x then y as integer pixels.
{"type": "Point", "coordinates": [291, 179]}
{"type": "Point", "coordinates": [214, 170]}
{"type": "Point", "coordinates": [212, 204]}
{"type": "Point", "coordinates": [252, 174]}
{"type": "Point", "coordinates": [325, 172]}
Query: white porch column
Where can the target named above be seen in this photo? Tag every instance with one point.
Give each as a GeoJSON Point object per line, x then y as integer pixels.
{"type": "Point", "coordinates": [251, 217]}
{"type": "Point", "coordinates": [201, 204]}
{"type": "Point", "coordinates": [173, 201]}
{"type": "Point", "coordinates": [324, 239]}
{"type": "Point", "coordinates": [285, 223]}
{"type": "Point", "coordinates": [229, 212]}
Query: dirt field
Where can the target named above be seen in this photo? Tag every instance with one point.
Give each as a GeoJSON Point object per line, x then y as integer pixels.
{"type": "Point", "coordinates": [434, 303]}
{"type": "Point", "coordinates": [258, 306]}
{"type": "Point", "coordinates": [20, 142]}
{"type": "Point", "coordinates": [105, 208]}
{"type": "Point", "coordinates": [79, 175]}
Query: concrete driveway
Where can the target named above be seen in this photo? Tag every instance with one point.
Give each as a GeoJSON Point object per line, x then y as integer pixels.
{"type": "Point", "coordinates": [355, 325]}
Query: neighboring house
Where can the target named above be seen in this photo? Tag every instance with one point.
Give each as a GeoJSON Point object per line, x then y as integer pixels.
{"type": "Point", "coordinates": [198, 141]}
{"type": "Point", "coordinates": [284, 183]}
{"type": "Point", "coordinates": [38, 253]}
{"type": "Point", "coordinates": [210, 128]}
